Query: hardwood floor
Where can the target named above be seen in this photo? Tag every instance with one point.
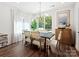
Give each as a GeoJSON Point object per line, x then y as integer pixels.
{"type": "Point", "coordinates": [19, 50]}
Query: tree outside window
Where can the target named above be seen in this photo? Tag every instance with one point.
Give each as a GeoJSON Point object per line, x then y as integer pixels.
{"type": "Point", "coordinates": [34, 25]}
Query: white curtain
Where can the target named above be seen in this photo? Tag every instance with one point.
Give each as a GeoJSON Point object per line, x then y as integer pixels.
{"type": "Point", "coordinates": [18, 29]}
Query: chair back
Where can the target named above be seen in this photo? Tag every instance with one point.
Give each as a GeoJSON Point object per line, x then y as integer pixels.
{"type": "Point", "coordinates": [35, 34]}
{"type": "Point", "coordinates": [59, 35]}
{"type": "Point", "coordinates": [27, 33]}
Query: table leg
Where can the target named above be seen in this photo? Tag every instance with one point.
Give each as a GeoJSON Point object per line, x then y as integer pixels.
{"type": "Point", "coordinates": [45, 48]}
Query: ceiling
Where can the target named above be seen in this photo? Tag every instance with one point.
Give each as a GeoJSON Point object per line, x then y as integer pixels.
{"type": "Point", "coordinates": [35, 7]}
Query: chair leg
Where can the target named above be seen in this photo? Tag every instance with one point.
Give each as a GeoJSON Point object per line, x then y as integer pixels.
{"type": "Point", "coordinates": [58, 48]}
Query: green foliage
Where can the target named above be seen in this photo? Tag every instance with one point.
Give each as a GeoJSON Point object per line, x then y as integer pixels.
{"type": "Point", "coordinates": [34, 24]}
{"type": "Point", "coordinates": [48, 22]}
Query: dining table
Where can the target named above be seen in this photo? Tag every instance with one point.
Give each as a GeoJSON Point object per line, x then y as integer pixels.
{"type": "Point", "coordinates": [46, 35]}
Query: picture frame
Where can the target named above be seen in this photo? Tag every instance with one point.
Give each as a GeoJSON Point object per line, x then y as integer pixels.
{"type": "Point", "coordinates": [63, 18]}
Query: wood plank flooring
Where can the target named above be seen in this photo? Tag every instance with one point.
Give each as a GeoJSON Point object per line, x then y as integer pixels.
{"type": "Point", "coordinates": [19, 50]}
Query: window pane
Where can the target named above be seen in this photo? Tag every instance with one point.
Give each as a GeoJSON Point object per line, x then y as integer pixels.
{"type": "Point", "coordinates": [48, 22]}
{"type": "Point", "coordinates": [41, 22]}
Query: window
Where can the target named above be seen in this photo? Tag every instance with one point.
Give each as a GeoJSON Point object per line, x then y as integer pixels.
{"type": "Point", "coordinates": [44, 22]}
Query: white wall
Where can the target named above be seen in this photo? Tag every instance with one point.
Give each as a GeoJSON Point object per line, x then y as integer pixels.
{"type": "Point", "coordinates": [76, 24]}
{"type": "Point", "coordinates": [5, 21]}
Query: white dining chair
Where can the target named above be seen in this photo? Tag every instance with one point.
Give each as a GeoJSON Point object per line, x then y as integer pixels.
{"type": "Point", "coordinates": [55, 43]}
{"type": "Point", "coordinates": [27, 37]}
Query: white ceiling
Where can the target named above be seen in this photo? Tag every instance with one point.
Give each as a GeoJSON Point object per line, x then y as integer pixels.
{"type": "Point", "coordinates": [35, 7]}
